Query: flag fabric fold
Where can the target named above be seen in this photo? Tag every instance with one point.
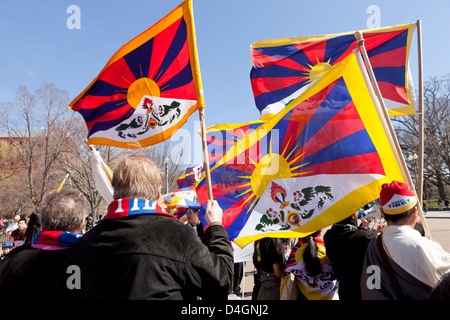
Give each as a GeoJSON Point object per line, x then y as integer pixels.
{"type": "Point", "coordinates": [283, 69]}
{"type": "Point", "coordinates": [149, 87]}
{"type": "Point", "coordinates": [315, 163]}
{"type": "Point", "coordinates": [102, 175]}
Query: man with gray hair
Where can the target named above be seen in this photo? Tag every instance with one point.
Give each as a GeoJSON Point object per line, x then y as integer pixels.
{"type": "Point", "coordinates": [139, 251]}
{"type": "Point", "coordinates": [34, 267]}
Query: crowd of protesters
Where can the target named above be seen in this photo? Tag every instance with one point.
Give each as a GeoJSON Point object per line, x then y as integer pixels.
{"type": "Point", "coordinates": [138, 251]}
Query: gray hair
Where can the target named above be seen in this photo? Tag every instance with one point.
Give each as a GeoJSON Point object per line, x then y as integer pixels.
{"type": "Point", "coordinates": [136, 176]}
{"type": "Point", "coordinates": [63, 211]}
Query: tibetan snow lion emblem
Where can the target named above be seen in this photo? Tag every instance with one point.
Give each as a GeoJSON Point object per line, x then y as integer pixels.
{"type": "Point", "coordinates": [152, 117]}
{"type": "Point", "coordinates": [291, 213]}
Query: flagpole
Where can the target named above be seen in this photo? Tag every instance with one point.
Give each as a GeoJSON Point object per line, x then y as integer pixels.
{"type": "Point", "coordinates": [65, 178]}
{"type": "Point", "coordinates": [90, 146]}
{"type": "Point", "coordinates": [243, 281]}
{"type": "Point", "coordinates": [201, 114]}
{"type": "Point", "coordinates": [201, 99]}
{"type": "Point", "coordinates": [400, 159]}
{"type": "Point", "coordinates": [421, 115]}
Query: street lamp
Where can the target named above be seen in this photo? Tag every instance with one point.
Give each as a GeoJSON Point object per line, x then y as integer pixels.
{"type": "Point", "coordinates": [166, 168]}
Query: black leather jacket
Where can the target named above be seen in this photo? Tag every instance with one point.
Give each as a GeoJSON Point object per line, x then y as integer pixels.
{"type": "Point", "coordinates": [149, 257]}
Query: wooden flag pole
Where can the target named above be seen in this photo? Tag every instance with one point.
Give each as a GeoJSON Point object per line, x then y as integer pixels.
{"type": "Point", "coordinates": [205, 154]}
{"type": "Point", "coordinates": [200, 101]}
{"type": "Point", "coordinates": [421, 115]}
{"type": "Point", "coordinates": [400, 159]}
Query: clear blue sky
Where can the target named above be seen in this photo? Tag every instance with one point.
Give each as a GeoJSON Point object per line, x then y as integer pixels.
{"type": "Point", "coordinates": [36, 45]}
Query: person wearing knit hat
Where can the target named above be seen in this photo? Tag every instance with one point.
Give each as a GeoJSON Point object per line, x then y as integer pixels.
{"type": "Point", "coordinates": [396, 198]}
{"type": "Point", "coordinates": [417, 262]}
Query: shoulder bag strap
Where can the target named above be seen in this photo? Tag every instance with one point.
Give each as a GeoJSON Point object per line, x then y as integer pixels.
{"type": "Point", "coordinates": [389, 269]}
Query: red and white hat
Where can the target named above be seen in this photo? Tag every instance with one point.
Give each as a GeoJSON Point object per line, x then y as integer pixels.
{"type": "Point", "coordinates": [396, 198]}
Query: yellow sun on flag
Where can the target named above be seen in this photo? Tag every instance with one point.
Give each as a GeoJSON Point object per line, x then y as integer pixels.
{"type": "Point", "coordinates": [142, 87]}
{"type": "Point", "coordinates": [270, 167]}
{"type": "Point", "coordinates": [318, 70]}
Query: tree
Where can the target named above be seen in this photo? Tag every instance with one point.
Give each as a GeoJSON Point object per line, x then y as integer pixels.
{"type": "Point", "coordinates": [176, 163]}
{"type": "Point", "coordinates": [39, 128]}
{"type": "Point", "coordinates": [8, 155]}
{"type": "Point", "coordinates": [44, 140]}
{"type": "Point", "coordinates": [436, 134]}
{"type": "Point", "coordinates": [78, 165]}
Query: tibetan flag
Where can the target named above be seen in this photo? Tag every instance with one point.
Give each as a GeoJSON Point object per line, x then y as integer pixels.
{"type": "Point", "coordinates": [283, 69]}
{"type": "Point", "coordinates": [313, 164]}
{"type": "Point", "coordinates": [149, 87]}
{"type": "Point", "coordinates": [185, 196]}
{"type": "Point", "coordinates": [182, 198]}
{"type": "Point", "coordinates": [177, 202]}
{"type": "Point", "coordinates": [190, 177]}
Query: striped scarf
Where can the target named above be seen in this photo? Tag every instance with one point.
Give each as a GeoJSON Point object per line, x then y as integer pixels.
{"type": "Point", "coordinates": [120, 208]}
{"type": "Point", "coordinates": [56, 238]}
